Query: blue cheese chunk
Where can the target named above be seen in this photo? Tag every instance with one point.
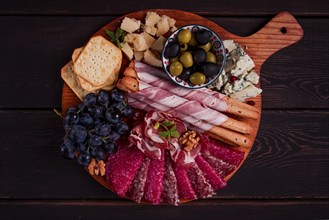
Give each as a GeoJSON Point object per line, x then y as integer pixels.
{"type": "Point", "coordinates": [252, 77]}
{"type": "Point", "coordinates": [249, 92]}
{"type": "Point", "coordinates": [243, 64]}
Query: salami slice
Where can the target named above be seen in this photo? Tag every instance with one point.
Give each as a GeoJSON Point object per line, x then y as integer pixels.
{"type": "Point", "coordinates": [121, 168]}
{"type": "Point", "coordinates": [216, 181]}
{"type": "Point", "coordinates": [221, 167]}
{"type": "Point", "coordinates": [169, 186]}
{"type": "Point", "coordinates": [199, 183]}
{"type": "Point", "coordinates": [136, 188]}
{"type": "Point", "coordinates": [185, 189]}
{"type": "Point", "coordinates": [153, 185]}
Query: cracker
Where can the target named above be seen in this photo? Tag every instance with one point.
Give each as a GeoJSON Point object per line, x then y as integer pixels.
{"type": "Point", "coordinates": [69, 77]}
{"type": "Point", "coordinates": [76, 53]}
{"type": "Point", "coordinates": [99, 62]}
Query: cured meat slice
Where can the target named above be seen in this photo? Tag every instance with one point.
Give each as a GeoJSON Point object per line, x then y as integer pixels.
{"type": "Point", "coordinates": [185, 189]}
{"type": "Point", "coordinates": [221, 151]}
{"type": "Point", "coordinates": [169, 185]}
{"type": "Point", "coordinates": [153, 185]}
{"type": "Point", "coordinates": [211, 175]}
{"type": "Point", "coordinates": [199, 183]}
{"type": "Point", "coordinates": [121, 168]}
{"type": "Point", "coordinates": [221, 167]}
{"type": "Point", "coordinates": [136, 188]}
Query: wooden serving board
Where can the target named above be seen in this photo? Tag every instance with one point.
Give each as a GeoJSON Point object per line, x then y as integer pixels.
{"type": "Point", "coordinates": [282, 31]}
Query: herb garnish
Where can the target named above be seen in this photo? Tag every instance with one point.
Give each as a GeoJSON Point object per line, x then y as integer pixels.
{"type": "Point", "coordinates": [169, 129]}
{"type": "Point", "coordinates": [116, 37]}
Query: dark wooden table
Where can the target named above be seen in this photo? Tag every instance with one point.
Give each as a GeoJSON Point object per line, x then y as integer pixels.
{"type": "Point", "coordinates": [284, 177]}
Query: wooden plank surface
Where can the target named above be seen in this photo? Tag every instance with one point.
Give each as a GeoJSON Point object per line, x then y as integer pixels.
{"type": "Point", "coordinates": [41, 45]}
{"type": "Point", "coordinates": [209, 7]}
{"type": "Point", "coordinates": [210, 209]}
{"type": "Point", "coordinates": [287, 160]}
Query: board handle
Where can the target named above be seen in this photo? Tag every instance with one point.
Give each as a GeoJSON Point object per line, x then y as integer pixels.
{"type": "Point", "coordinates": [283, 30]}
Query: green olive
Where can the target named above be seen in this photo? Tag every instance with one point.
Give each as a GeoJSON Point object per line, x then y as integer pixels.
{"type": "Point", "coordinates": [197, 78]}
{"type": "Point", "coordinates": [206, 46]}
{"type": "Point", "coordinates": [211, 58]}
{"type": "Point", "coordinates": [193, 42]}
{"type": "Point", "coordinates": [176, 68]}
{"type": "Point", "coordinates": [184, 36]}
{"type": "Point", "coordinates": [183, 47]}
{"type": "Point", "coordinates": [186, 59]}
{"type": "Point", "coordinates": [174, 59]}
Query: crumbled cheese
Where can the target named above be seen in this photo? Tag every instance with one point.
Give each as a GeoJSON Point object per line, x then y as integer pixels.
{"type": "Point", "coordinates": [126, 49]}
{"type": "Point", "coordinates": [152, 18]}
{"type": "Point", "coordinates": [163, 27]}
{"type": "Point", "coordinates": [170, 20]}
{"type": "Point", "coordinates": [139, 55]}
{"type": "Point", "coordinates": [158, 44]}
{"type": "Point", "coordinates": [248, 92]}
{"type": "Point", "coordinates": [240, 84]}
{"type": "Point", "coordinates": [151, 59]}
{"type": "Point", "coordinates": [150, 30]}
{"type": "Point", "coordinates": [252, 77]}
{"type": "Point", "coordinates": [130, 24]}
{"type": "Point", "coordinates": [148, 39]}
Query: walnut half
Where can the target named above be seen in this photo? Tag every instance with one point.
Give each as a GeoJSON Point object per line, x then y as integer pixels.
{"type": "Point", "coordinates": [189, 140]}
{"type": "Point", "coordinates": [96, 167]}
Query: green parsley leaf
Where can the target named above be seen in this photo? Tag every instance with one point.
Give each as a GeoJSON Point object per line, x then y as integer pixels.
{"type": "Point", "coordinates": [117, 36]}
{"type": "Point", "coordinates": [164, 134]}
{"type": "Point", "coordinates": [173, 128]}
{"type": "Point", "coordinates": [174, 134]}
{"type": "Point", "coordinates": [167, 123]}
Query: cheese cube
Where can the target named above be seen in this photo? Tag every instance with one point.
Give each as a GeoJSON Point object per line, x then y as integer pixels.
{"type": "Point", "coordinates": [158, 44]}
{"type": "Point", "coordinates": [148, 39]}
{"type": "Point", "coordinates": [126, 49]}
{"type": "Point", "coordinates": [163, 27]}
{"type": "Point", "coordinates": [151, 59]}
{"type": "Point", "coordinates": [130, 24]}
{"type": "Point", "coordinates": [243, 64]}
{"type": "Point", "coordinates": [152, 18]}
{"type": "Point", "coordinates": [137, 40]}
{"type": "Point", "coordinates": [150, 30]}
{"type": "Point", "coordinates": [139, 55]}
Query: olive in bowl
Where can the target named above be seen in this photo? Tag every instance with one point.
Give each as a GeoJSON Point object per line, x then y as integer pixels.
{"type": "Point", "coordinates": [193, 56]}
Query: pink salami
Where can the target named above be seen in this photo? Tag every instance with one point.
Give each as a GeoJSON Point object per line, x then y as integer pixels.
{"type": "Point", "coordinates": [121, 168]}
{"type": "Point", "coordinates": [185, 189]}
{"type": "Point", "coordinates": [221, 167]}
{"type": "Point", "coordinates": [199, 183]}
{"type": "Point", "coordinates": [216, 181]}
{"type": "Point", "coordinates": [153, 185]}
{"type": "Point", "coordinates": [169, 185]}
{"type": "Point", "coordinates": [136, 189]}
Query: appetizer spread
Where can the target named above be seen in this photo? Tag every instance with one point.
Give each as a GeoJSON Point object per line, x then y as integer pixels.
{"type": "Point", "coordinates": [149, 139]}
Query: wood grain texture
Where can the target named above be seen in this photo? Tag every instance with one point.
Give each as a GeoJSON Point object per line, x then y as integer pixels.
{"type": "Point", "coordinates": [218, 209]}
{"type": "Point", "coordinates": [290, 159]}
{"type": "Point", "coordinates": [209, 7]}
{"type": "Point", "coordinates": [288, 79]}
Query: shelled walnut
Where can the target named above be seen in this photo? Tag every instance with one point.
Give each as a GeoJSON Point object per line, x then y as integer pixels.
{"type": "Point", "coordinates": [189, 140]}
{"type": "Point", "coordinates": [97, 167]}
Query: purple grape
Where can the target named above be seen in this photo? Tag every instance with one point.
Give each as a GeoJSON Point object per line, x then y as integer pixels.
{"type": "Point", "coordinates": [102, 129]}
{"type": "Point", "coordinates": [95, 140]}
{"type": "Point", "coordinates": [78, 134]}
{"type": "Point", "coordinates": [89, 99]}
{"type": "Point", "coordinates": [112, 117]}
{"type": "Point", "coordinates": [103, 98]}
{"type": "Point", "coordinates": [98, 153]}
{"type": "Point", "coordinates": [121, 128]}
{"type": "Point", "coordinates": [84, 159]}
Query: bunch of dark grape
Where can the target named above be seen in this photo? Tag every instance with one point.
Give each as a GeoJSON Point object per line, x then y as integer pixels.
{"type": "Point", "coordinates": [93, 127]}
